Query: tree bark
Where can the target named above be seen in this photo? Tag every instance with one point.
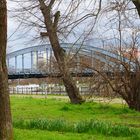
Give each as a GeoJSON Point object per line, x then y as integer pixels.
{"type": "Point", "coordinates": [134, 104]}
{"type": "Point", "coordinates": [51, 27]}
{"type": "Point", "coordinates": [69, 84]}
{"type": "Point", "coordinates": [137, 4]}
{"type": "Point", "coordinates": [5, 114]}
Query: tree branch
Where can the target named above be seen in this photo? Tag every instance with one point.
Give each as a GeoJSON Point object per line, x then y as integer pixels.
{"type": "Point", "coordinates": [56, 19]}
{"type": "Point", "coordinates": [51, 3]}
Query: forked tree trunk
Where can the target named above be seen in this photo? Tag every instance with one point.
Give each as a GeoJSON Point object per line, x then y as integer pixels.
{"type": "Point", "coordinates": [5, 114]}
{"type": "Point", "coordinates": [51, 27]}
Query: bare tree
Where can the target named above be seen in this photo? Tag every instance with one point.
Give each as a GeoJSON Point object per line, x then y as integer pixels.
{"type": "Point", "coordinates": [54, 25]}
{"type": "Point", "coordinates": [127, 77]}
{"type": "Point", "coordinates": [5, 113]}
{"type": "Point", "coordinates": [124, 70]}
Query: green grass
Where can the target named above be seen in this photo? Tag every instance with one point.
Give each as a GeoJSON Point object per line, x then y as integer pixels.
{"type": "Point", "coordinates": [25, 134]}
{"type": "Point", "coordinates": [112, 121]}
{"type": "Point", "coordinates": [91, 127]}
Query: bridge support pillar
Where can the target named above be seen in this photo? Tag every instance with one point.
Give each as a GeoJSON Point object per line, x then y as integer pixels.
{"type": "Point", "coordinates": [22, 62]}
{"type": "Point", "coordinates": [32, 61]}
{"type": "Point", "coordinates": [36, 60]}
{"type": "Point", "coordinates": [15, 64]}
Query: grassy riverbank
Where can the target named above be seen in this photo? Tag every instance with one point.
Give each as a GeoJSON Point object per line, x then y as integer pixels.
{"type": "Point", "coordinates": [54, 119]}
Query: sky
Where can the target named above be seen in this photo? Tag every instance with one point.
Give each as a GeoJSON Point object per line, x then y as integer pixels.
{"type": "Point", "coordinates": [103, 30]}
{"type": "Point", "coordinates": [16, 40]}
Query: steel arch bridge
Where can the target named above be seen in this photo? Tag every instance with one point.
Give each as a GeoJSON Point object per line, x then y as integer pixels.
{"type": "Point", "coordinates": [25, 63]}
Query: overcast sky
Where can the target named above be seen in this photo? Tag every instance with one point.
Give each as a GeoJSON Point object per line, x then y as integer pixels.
{"type": "Point", "coordinates": [16, 40]}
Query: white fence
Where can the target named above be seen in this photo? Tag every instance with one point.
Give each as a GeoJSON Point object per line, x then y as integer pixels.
{"type": "Point", "coordinates": [56, 90]}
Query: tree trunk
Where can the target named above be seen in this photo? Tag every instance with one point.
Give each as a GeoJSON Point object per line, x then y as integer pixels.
{"type": "Point", "coordinates": [72, 90]}
{"type": "Point", "coordinates": [134, 106]}
{"type": "Point", "coordinates": [51, 27]}
{"type": "Point", "coordinates": [134, 103]}
{"type": "Point", "coordinates": [5, 114]}
{"type": "Point", "coordinates": [69, 83]}
{"type": "Point", "coordinates": [137, 4]}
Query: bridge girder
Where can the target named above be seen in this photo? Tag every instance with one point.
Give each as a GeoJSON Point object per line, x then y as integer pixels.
{"type": "Point", "coordinates": [88, 51]}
